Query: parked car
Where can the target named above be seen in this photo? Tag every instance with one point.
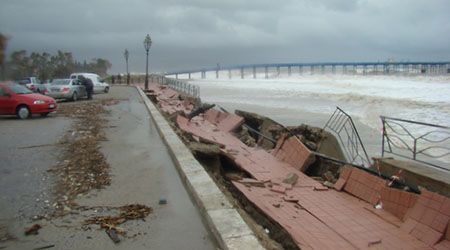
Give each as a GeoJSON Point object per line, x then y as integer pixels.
{"type": "Point", "coordinates": [33, 84]}
{"type": "Point", "coordinates": [99, 85]}
{"type": "Point", "coordinates": [71, 89]}
{"type": "Point", "coordinates": [29, 82]}
{"type": "Point", "coordinates": [19, 100]}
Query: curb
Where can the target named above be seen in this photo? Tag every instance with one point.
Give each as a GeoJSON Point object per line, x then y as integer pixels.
{"type": "Point", "coordinates": [229, 229]}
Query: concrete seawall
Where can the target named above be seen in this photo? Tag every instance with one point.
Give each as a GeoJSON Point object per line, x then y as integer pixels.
{"type": "Point", "coordinates": [224, 221]}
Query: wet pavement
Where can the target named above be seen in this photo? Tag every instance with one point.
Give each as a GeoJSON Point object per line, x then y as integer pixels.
{"type": "Point", "coordinates": [27, 149]}
{"type": "Point", "coordinates": [141, 172]}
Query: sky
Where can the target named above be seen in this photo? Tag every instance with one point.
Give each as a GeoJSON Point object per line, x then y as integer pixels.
{"type": "Point", "coordinates": [190, 34]}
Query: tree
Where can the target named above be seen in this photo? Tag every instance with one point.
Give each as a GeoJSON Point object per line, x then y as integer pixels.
{"type": "Point", "coordinates": [3, 43]}
{"type": "Point", "coordinates": [20, 65]}
{"type": "Point", "coordinates": [99, 66]}
{"type": "Point", "coordinates": [46, 66]}
{"type": "Point", "coordinates": [62, 64]}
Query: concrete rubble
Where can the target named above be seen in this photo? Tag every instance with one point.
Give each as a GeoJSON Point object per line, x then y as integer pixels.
{"type": "Point", "coordinates": [338, 209]}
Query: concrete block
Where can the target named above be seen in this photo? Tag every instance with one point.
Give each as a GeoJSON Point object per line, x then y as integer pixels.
{"type": "Point", "coordinates": [228, 223]}
{"type": "Point", "coordinates": [243, 243]}
{"type": "Point", "coordinates": [158, 118]}
{"type": "Point", "coordinates": [198, 177]}
{"type": "Point", "coordinates": [201, 183]}
{"type": "Point", "coordinates": [163, 126]}
{"type": "Point", "coordinates": [215, 201]}
{"type": "Point", "coordinates": [181, 151]}
{"type": "Point", "coordinates": [172, 140]}
{"type": "Point", "coordinates": [190, 165]}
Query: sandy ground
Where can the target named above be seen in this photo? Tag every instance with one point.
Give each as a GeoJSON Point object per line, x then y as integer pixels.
{"type": "Point", "coordinates": [141, 172]}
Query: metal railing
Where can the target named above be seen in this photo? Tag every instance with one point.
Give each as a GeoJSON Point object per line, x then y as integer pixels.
{"type": "Point", "coordinates": [427, 143]}
{"type": "Point", "coordinates": [184, 87]}
{"type": "Point", "coordinates": [342, 125]}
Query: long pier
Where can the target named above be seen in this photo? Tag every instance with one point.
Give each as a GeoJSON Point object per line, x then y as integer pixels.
{"type": "Point", "coordinates": [330, 67]}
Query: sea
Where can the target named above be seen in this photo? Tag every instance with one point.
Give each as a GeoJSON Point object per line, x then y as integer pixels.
{"type": "Point", "coordinates": [305, 98]}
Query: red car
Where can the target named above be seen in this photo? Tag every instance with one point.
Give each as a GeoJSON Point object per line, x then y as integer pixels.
{"type": "Point", "coordinates": [17, 99]}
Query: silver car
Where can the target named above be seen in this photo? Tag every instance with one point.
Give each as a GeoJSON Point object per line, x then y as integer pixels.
{"type": "Point", "coordinates": [71, 89]}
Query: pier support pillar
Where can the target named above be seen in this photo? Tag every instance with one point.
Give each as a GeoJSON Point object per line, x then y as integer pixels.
{"type": "Point", "coordinates": [176, 76]}
{"type": "Point", "coordinates": [300, 70]}
{"type": "Point", "coordinates": [278, 70]}
{"type": "Point", "coordinates": [345, 69]}
{"type": "Point", "coordinates": [266, 69]}
{"type": "Point", "coordinates": [289, 71]}
{"type": "Point", "coordinates": [203, 74]}
{"type": "Point", "coordinates": [229, 73]}
{"type": "Point", "coordinates": [217, 74]}
{"type": "Point", "coordinates": [312, 70]}
{"type": "Point", "coordinates": [242, 73]}
{"type": "Point", "coordinates": [189, 75]}
{"type": "Point", "coordinates": [364, 69]}
{"type": "Point", "coordinates": [333, 69]}
{"type": "Point", "coordinates": [254, 72]}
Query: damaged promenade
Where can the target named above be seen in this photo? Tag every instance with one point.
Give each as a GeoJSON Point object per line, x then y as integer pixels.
{"type": "Point", "coordinates": [289, 197]}
{"type": "Point", "coordinates": [166, 164]}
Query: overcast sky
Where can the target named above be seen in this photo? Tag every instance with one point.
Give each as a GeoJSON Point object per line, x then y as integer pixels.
{"type": "Point", "coordinates": [189, 34]}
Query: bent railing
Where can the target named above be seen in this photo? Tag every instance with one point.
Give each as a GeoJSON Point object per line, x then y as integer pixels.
{"type": "Point", "coordinates": [419, 141]}
{"type": "Point", "coordinates": [342, 125]}
{"type": "Point", "coordinates": [184, 87]}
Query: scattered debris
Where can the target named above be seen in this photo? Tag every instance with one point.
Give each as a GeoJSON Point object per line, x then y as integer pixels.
{"type": "Point", "coordinates": [162, 201]}
{"type": "Point", "coordinates": [234, 176]}
{"type": "Point", "coordinates": [320, 188]}
{"type": "Point", "coordinates": [374, 242]}
{"type": "Point", "coordinates": [202, 109]}
{"type": "Point", "coordinates": [41, 145]}
{"type": "Point", "coordinates": [290, 199]}
{"type": "Point", "coordinates": [34, 230]}
{"type": "Point", "coordinates": [83, 166]}
{"type": "Point", "coordinates": [128, 212]}
{"type": "Point", "coordinates": [113, 236]}
{"type": "Point", "coordinates": [204, 149]}
{"type": "Point", "coordinates": [328, 184]}
{"type": "Point", "coordinates": [44, 247]}
{"type": "Point", "coordinates": [328, 176]}
{"type": "Point", "coordinates": [5, 235]}
{"type": "Point", "coordinates": [291, 178]}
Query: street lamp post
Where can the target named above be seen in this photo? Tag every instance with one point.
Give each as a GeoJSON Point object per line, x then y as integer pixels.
{"type": "Point", "coordinates": [147, 45]}
{"type": "Point", "coordinates": [126, 54]}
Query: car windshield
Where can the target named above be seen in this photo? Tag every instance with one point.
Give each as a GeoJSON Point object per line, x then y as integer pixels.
{"type": "Point", "coordinates": [19, 89]}
{"type": "Point", "coordinates": [60, 82]}
{"type": "Point", "coordinates": [23, 81]}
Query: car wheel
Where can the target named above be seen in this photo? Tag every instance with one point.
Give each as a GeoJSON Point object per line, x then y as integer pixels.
{"type": "Point", "coordinates": [74, 96]}
{"type": "Point", "coordinates": [23, 112]}
{"type": "Point", "coordinates": [45, 114]}
{"type": "Point", "coordinates": [106, 89]}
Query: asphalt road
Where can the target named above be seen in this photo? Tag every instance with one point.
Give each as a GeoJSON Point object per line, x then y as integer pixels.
{"type": "Point", "coordinates": [141, 172]}
{"type": "Point", "coordinates": [27, 150]}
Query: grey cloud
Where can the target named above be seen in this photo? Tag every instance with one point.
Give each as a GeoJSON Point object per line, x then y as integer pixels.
{"type": "Point", "coordinates": [196, 33]}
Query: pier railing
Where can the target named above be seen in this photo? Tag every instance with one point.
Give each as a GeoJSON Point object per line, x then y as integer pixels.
{"type": "Point", "coordinates": [342, 125]}
{"type": "Point", "coordinates": [324, 67]}
{"type": "Point", "coordinates": [184, 87]}
{"type": "Point", "coordinates": [418, 141]}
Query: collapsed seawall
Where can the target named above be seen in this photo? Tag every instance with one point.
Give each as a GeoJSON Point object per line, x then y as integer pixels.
{"type": "Point", "coordinates": [301, 202]}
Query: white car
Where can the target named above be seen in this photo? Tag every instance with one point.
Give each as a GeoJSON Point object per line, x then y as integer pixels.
{"type": "Point", "coordinates": [99, 85]}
